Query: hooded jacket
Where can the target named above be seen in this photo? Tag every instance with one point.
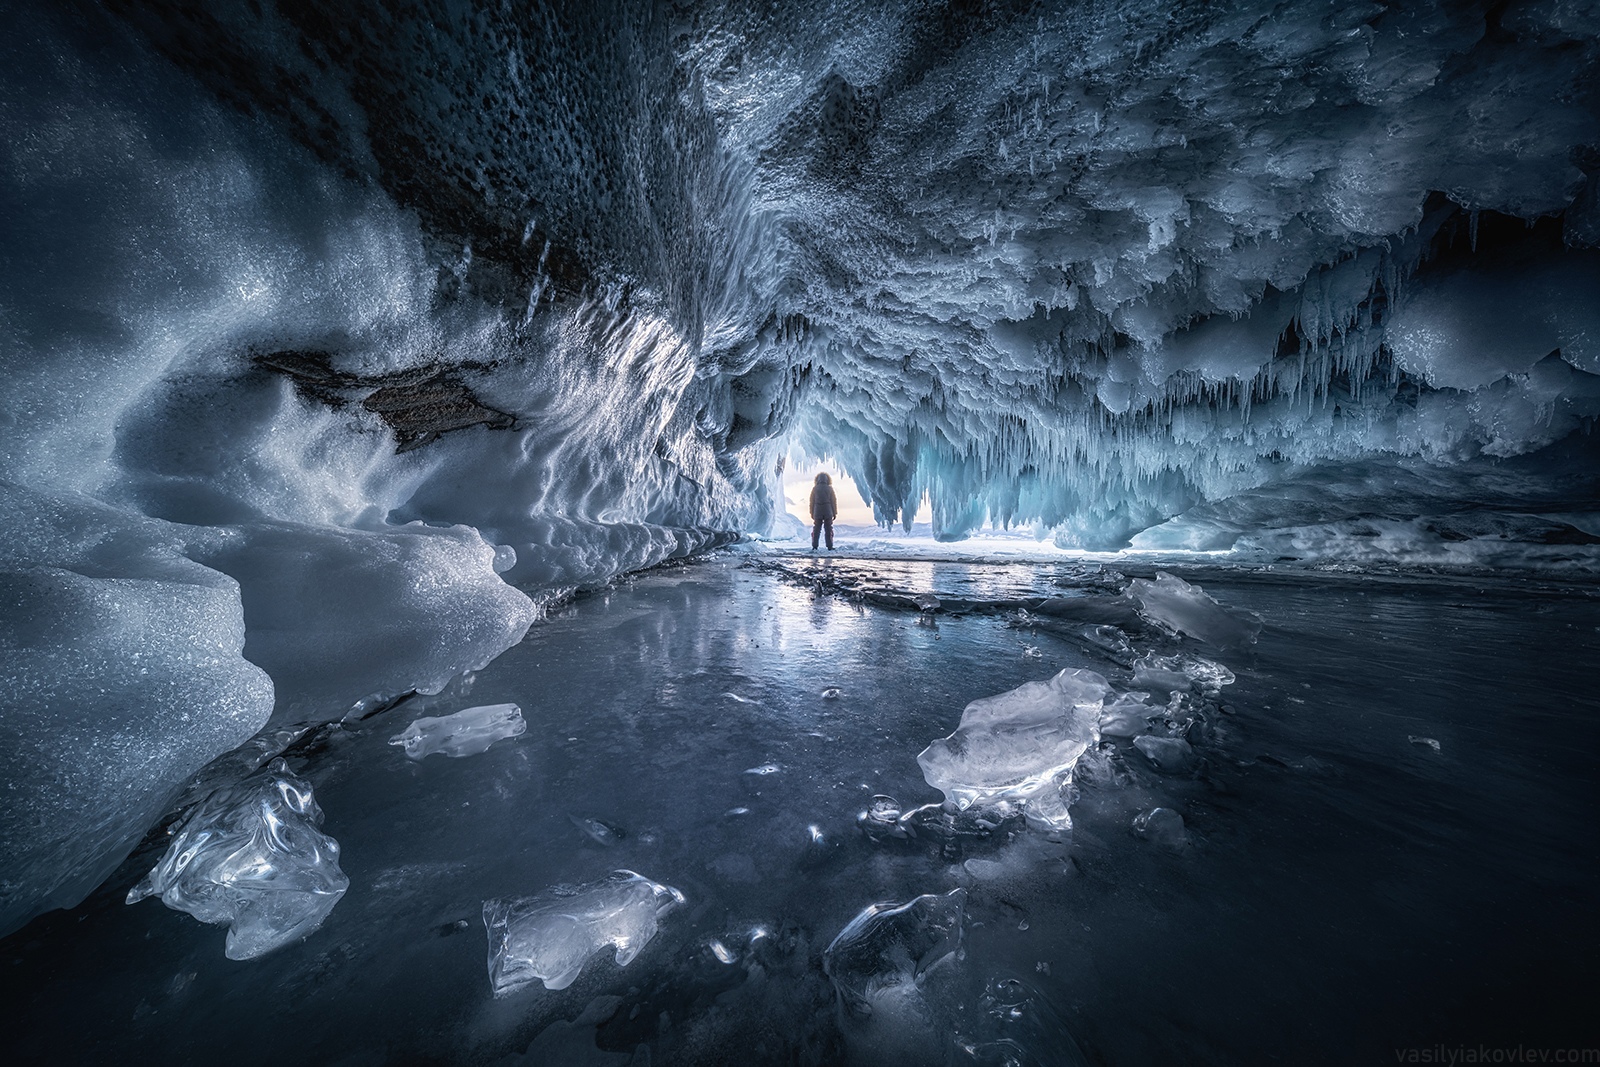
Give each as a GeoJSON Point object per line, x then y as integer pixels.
{"type": "Point", "coordinates": [824, 505]}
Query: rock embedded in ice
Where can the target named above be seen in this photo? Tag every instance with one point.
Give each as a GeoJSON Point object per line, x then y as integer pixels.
{"type": "Point", "coordinates": [466, 733]}
{"type": "Point", "coordinates": [251, 856]}
{"type": "Point", "coordinates": [890, 945]}
{"type": "Point", "coordinates": [1171, 755]}
{"type": "Point", "coordinates": [1182, 608]}
{"type": "Point", "coordinates": [549, 936]}
{"type": "Point", "coordinates": [1161, 826]}
{"type": "Point", "coordinates": [1020, 746]}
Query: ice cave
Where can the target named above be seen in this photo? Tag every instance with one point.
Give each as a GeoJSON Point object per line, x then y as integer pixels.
{"type": "Point", "coordinates": [414, 647]}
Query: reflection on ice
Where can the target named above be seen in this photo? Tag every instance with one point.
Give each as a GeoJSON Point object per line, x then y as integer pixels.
{"type": "Point", "coordinates": [1020, 746]}
{"type": "Point", "coordinates": [466, 733]}
{"type": "Point", "coordinates": [598, 830]}
{"type": "Point", "coordinates": [549, 936]}
{"type": "Point", "coordinates": [251, 856]}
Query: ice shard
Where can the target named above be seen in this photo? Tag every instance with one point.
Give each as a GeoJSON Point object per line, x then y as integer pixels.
{"type": "Point", "coordinates": [251, 857]}
{"type": "Point", "coordinates": [465, 733]}
{"type": "Point", "coordinates": [549, 936]}
{"type": "Point", "coordinates": [1184, 608]}
{"type": "Point", "coordinates": [1020, 746]}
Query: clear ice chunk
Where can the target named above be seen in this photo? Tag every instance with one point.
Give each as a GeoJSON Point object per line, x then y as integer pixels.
{"type": "Point", "coordinates": [882, 819]}
{"type": "Point", "coordinates": [1161, 826]}
{"type": "Point", "coordinates": [466, 733]}
{"type": "Point", "coordinates": [598, 830]}
{"type": "Point", "coordinates": [1020, 746]}
{"type": "Point", "coordinates": [251, 857]}
{"type": "Point", "coordinates": [1128, 716]}
{"type": "Point", "coordinates": [888, 946]}
{"type": "Point", "coordinates": [1172, 755]}
{"type": "Point", "coordinates": [1183, 608]}
{"type": "Point", "coordinates": [549, 936]}
{"type": "Point", "coordinates": [1168, 674]}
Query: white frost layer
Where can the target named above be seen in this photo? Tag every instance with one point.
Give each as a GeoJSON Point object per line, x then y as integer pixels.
{"type": "Point", "coordinates": [336, 614]}
{"type": "Point", "coordinates": [250, 857]}
{"type": "Point", "coordinates": [124, 676]}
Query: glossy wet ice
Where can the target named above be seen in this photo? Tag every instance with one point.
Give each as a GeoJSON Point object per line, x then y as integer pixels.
{"type": "Point", "coordinates": [1335, 891]}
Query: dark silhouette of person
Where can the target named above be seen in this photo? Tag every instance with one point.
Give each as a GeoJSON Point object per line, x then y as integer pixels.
{"type": "Point", "coordinates": [824, 506]}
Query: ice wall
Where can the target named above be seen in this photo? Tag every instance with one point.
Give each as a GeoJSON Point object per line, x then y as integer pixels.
{"type": "Point", "coordinates": [348, 334]}
{"type": "Point", "coordinates": [277, 435]}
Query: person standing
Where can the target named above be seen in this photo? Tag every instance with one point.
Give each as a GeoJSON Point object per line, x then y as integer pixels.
{"type": "Point", "coordinates": [824, 506]}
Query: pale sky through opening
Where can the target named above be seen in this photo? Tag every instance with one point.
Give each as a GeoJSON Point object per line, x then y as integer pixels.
{"type": "Point", "coordinates": [797, 481]}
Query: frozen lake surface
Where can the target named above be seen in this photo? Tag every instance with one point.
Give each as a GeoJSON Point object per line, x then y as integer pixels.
{"type": "Point", "coordinates": [1340, 888]}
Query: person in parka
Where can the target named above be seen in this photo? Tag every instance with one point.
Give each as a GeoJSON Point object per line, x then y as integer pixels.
{"type": "Point", "coordinates": [824, 506]}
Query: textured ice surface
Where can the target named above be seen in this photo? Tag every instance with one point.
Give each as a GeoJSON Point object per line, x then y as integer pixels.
{"type": "Point", "coordinates": [1187, 609]}
{"type": "Point", "coordinates": [882, 819]}
{"type": "Point", "coordinates": [465, 733]}
{"type": "Point", "coordinates": [334, 615]}
{"type": "Point", "coordinates": [123, 677]}
{"type": "Point", "coordinates": [549, 936]}
{"type": "Point", "coordinates": [889, 946]}
{"type": "Point", "coordinates": [251, 857]}
{"type": "Point", "coordinates": [1020, 745]}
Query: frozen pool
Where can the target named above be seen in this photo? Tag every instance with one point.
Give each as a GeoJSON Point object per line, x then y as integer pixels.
{"type": "Point", "coordinates": [1335, 890]}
